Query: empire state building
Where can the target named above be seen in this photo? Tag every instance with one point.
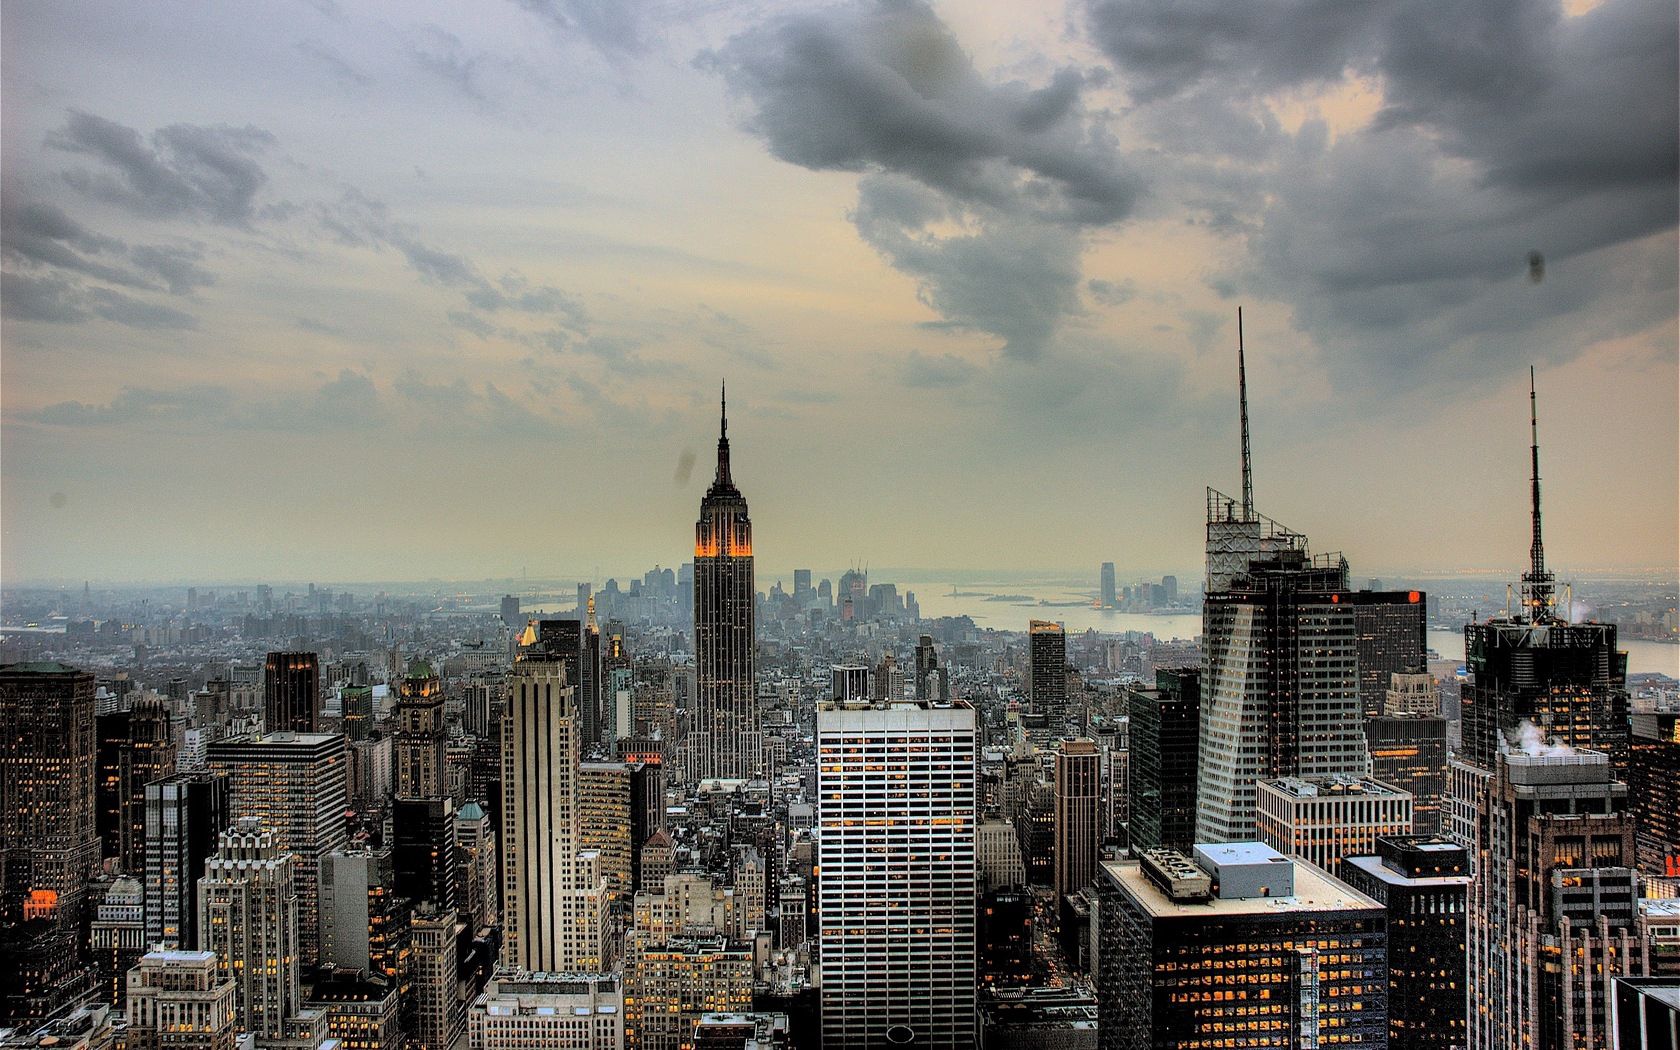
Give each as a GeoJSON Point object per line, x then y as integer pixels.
{"type": "Point", "coordinates": [725, 740]}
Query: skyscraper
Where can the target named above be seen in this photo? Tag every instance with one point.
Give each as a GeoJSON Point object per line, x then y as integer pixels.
{"type": "Point", "coordinates": [931, 682]}
{"type": "Point", "coordinates": [1280, 686]}
{"type": "Point", "coordinates": [1108, 596]}
{"type": "Point", "coordinates": [725, 738]}
{"type": "Point", "coordinates": [181, 1000]}
{"type": "Point", "coordinates": [420, 737]}
{"type": "Point", "coordinates": [1654, 790]}
{"type": "Point", "coordinates": [1554, 914]}
{"type": "Point", "coordinates": [150, 756]}
{"type": "Point", "coordinates": [1078, 829]}
{"type": "Point", "coordinates": [1566, 679]}
{"type": "Point", "coordinates": [1555, 909]}
{"type": "Point", "coordinates": [1165, 726]}
{"type": "Point", "coordinates": [552, 889]}
{"type": "Point", "coordinates": [48, 840]}
{"type": "Point", "coordinates": [1424, 882]}
{"type": "Point", "coordinates": [896, 790]}
{"type": "Point", "coordinates": [1047, 673]}
{"type": "Point", "coordinates": [295, 785]}
{"type": "Point", "coordinates": [1392, 633]}
{"type": "Point", "coordinates": [577, 644]}
{"type": "Point", "coordinates": [248, 907]}
{"type": "Point", "coordinates": [185, 817]}
{"type": "Point", "coordinates": [1236, 941]}
{"type": "Point", "coordinates": [292, 692]}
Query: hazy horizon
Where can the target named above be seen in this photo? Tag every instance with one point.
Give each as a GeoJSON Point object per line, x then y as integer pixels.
{"type": "Point", "coordinates": [415, 291]}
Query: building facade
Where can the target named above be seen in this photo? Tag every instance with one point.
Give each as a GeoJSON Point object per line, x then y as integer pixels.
{"type": "Point", "coordinates": [1323, 819]}
{"type": "Point", "coordinates": [553, 891]}
{"type": "Point", "coordinates": [181, 1000]}
{"type": "Point", "coordinates": [1237, 946]}
{"type": "Point", "coordinates": [1165, 730]}
{"type": "Point", "coordinates": [1078, 824]}
{"type": "Point", "coordinates": [543, 1010]}
{"type": "Point", "coordinates": [49, 840]}
{"type": "Point", "coordinates": [1424, 882]}
{"type": "Point", "coordinates": [185, 817]}
{"type": "Point", "coordinates": [292, 692]}
{"type": "Point", "coordinates": [896, 816]}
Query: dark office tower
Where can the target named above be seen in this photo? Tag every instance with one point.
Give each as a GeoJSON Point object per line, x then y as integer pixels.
{"type": "Point", "coordinates": [1410, 752]}
{"type": "Point", "coordinates": [185, 817]}
{"type": "Point", "coordinates": [424, 851]}
{"type": "Point", "coordinates": [1035, 830]}
{"type": "Point", "coordinates": [510, 611]}
{"type": "Point", "coordinates": [725, 739]}
{"type": "Point", "coordinates": [151, 756]}
{"type": "Point", "coordinates": [1391, 626]}
{"type": "Point", "coordinates": [419, 743]}
{"type": "Point", "coordinates": [1003, 932]}
{"type": "Point", "coordinates": [1566, 679]}
{"type": "Point", "coordinates": [1047, 673]}
{"type": "Point", "coordinates": [1078, 829]}
{"type": "Point", "coordinates": [1555, 909]}
{"type": "Point", "coordinates": [931, 681]}
{"type": "Point", "coordinates": [1654, 790]}
{"type": "Point", "coordinates": [49, 844]}
{"type": "Point", "coordinates": [356, 703]}
{"type": "Point", "coordinates": [110, 796]}
{"type": "Point", "coordinates": [1108, 600]}
{"type": "Point", "coordinates": [577, 645]}
{"type": "Point", "coordinates": [292, 692]}
{"type": "Point", "coordinates": [802, 585]}
{"type": "Point", "coordinates": [1236, 946]}
{"type": "Point", "coordinates": [1169, 586]}
{"type": "Point", "coordinates": [1424, 882]}
{"type": "Point", "coordinates": [1165, 727]}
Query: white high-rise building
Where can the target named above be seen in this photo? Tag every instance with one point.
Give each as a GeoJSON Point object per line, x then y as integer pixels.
{"type": "Point", "coordinates": [248, 916]}
{"type": "Point", "coordinates": [180, 1000]}
{"type": "Point", "coordinates": [554, 891]}
{"type": "Point", "coordinates": [540, 1011]}
{"type": "Point", "coordinates": [896, 816]}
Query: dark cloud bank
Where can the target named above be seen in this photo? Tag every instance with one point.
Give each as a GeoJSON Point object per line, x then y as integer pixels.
{"type": "Point", "coordinates": [1506, 126]}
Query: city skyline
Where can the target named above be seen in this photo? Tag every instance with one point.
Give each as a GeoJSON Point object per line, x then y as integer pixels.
{"type": "Point", "coordinates": [447, 248]}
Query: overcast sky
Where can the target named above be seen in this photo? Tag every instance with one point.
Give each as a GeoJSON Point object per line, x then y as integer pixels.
{"type": "Point", "coordinates": [404, 290]}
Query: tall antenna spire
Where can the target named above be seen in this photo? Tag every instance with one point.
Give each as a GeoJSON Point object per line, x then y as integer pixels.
{"type": "Point", "coordinates": [1538, 584]}
{"type": "Point", "coordinates": [1242, 397]}
{"type": "Point", "coordinates": [723, 477]}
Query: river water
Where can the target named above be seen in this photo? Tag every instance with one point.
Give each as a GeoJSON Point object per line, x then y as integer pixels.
{"type": "Point", "coordinates": [935, 599]}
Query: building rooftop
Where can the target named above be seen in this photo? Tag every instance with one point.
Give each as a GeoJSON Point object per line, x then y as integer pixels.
{"type": "Point", "coordinates": [1333, 786]}
{"type": "Point", "coordinates": [1374, 866]}
{"type": "Point", "coordinates": [1314, 889]}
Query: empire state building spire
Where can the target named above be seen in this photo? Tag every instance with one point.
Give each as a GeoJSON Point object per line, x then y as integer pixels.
{"type": "Point", "coordinates": [725, 740]}
{"type": "Point", "coordinates": [723, 478]}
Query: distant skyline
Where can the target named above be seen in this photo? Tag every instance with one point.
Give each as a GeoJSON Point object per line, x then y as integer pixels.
{"type": "Point", "coordinates": [413, 291]}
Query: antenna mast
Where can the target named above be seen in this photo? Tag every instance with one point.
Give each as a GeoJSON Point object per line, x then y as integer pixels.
{"type": "Point", "coordinates": [1537, 582]}
{"type": "Point", "coordinates": [1242, 397]}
